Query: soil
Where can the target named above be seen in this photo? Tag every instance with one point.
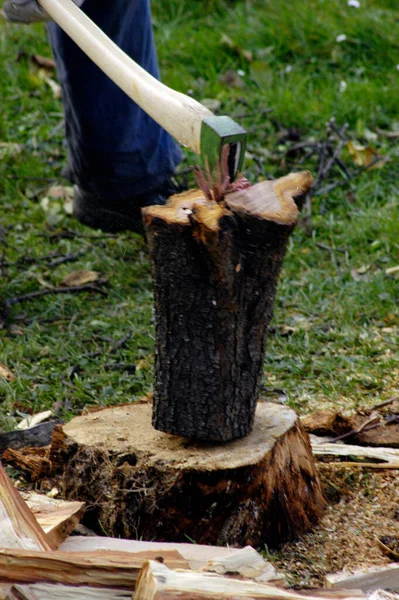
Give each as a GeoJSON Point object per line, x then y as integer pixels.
{"type": "Point", "coordinates": [363, 507]}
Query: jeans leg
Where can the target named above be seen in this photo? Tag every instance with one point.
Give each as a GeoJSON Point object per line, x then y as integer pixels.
{"type": "Point", "coordinates": [115, 149]}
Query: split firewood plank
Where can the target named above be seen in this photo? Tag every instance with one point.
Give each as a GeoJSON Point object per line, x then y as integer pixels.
{"type": "Point", "coordinates": [384, 577]}
{"type": "Point", "coordinates": [94, 569]}
{"type": "Point", "coordinates": [322, 448]}
{"type": "Point", "coordinates": [56, 591]}
{"type": "Point", "coordinates": [18, 526]}
{"type": "Point", "coordinates": [157, 581]}
{"type": "Point", "coordinates": [244, 561]}
{"type": "Point", "coordinates": [57, 518]}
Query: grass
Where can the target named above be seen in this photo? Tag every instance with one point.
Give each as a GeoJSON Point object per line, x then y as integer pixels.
{"type": "Point", "coordinates": [335, 337]}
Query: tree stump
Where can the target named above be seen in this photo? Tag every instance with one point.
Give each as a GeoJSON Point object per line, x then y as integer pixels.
{"type": "Point", "coordinates": [215, 266]}
{"type": "Point", "coordinates": [145, 484]}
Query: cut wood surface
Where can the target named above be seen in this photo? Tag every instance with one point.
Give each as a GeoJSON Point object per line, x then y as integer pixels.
{"type": "Point", "coordinates": [18, 526]}
{"type": "Point", "coordinates": [95, 569]}
{"type": "Point", "coordinates": [158, 582]}
{"type": "Point", "coordinates": [368, 580]}
{"type": "Point", "coordinates": [57, 518]}
{"type": "Point", "coordinates": [260, 489]}
{"type": "Point", "coordinates": [56, 591]}
{"type": "Point", "coordinates": [322, 448]}
{"type": "Point", "coordinates": [215, 264]}
{"type": "Point", "coordinates": [197, 555]}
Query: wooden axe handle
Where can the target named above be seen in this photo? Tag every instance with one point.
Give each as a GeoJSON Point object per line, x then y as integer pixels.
{"type": "Point", "coordinates": [180, 115]}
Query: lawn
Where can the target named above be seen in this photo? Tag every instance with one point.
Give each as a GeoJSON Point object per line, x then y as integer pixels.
{"type": "Point", "coordinates": [282, 70]}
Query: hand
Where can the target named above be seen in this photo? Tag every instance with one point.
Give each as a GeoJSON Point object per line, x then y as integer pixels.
{"type": "Point", "coordinates": [24, 11]}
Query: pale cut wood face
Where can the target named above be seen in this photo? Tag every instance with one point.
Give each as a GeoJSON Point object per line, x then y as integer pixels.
{"type": "Point", "coordinates": [269, 200]}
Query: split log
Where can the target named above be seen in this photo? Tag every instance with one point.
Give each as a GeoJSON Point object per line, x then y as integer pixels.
{"type": "Point", "coordinates": [146, 484]}
{"type": "Point", "coordinates": [56, 591]}
{"type": "Point", "coordinates": [375, 578]}
{"type": "Point", "coordinates": [96, 569]}
{"type": "Point", "coordinates": [157, 582]}
{"type": "Point", "coordinates": [244, 561]}
{"type": "Point", "coordinates": [57, 518]}
{"type": "Point", "coordinates": [215, 266]}
{"type": "Point", "coordinates": [385, 455]}
{"type": "Point", "coordinates": [18, 526]}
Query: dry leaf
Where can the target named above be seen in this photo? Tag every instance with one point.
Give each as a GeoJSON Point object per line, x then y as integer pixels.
{"type": "Point", "coordinates": [60, 191]}
{"type": "Point", "coordinates": [43, 61]}
{"type": "Point", "coordinates": [81, 277]}
{"type": "Point", "coordinates": [365, 156]}
{"type": "Point", "coordinates": [6, 373]}
{"type": "Point", "coordinates": [393, 272]}
{"type": "Point", "coordinates": [55, 87]}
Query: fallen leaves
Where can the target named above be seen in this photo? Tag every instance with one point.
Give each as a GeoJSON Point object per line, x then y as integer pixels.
{"type": "Point", "coordinates": [6, 374]}
{"type": "Point", "coordinates": [81, 277]}
{"type": "Point", "coordinates": [365, 156]}
{"type": "Point", "coordinates": [57, 202]}
{"type": "Point", "coordinates": [43, 62]}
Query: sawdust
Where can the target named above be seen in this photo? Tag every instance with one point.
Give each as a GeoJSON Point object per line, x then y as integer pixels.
{"type": "Point", "coordinates": [363, 506]}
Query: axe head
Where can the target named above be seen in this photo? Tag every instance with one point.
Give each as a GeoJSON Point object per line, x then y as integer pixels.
{"type": "Point", "coordinates": [216, 132]}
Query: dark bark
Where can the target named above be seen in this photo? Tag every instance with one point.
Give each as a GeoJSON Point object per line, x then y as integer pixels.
{"type": "Point", "coordinates": [214, 290]}
{"type": "Point", "coordinates": [37, 436]}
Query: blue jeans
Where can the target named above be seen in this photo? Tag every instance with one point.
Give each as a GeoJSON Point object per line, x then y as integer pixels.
{"type": "Point", "coordinates": [115, 150]}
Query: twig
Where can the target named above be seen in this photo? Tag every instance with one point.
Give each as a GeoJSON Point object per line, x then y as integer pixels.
{"type": "Point", "coordinates": [385, 403]}
{"type": "Point", "coordinates": [328, 249]}
{"type": "Point", "coordinates": [61, 290]}
{"type": "Point", "coordinates": [370, 424]}
{"type": "Point", "coordinates": [113, 348]}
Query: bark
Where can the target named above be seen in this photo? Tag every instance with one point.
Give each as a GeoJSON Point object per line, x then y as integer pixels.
{"type": "Point", "coordinates": [215, 268]}
{"type": "Point", "coordinates": [145, 484]}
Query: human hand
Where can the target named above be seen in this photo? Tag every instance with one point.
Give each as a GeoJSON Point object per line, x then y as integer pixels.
{"type": "Point", "coordinates": [24, 11]}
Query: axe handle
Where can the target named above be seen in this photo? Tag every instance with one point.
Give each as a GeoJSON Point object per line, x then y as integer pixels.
{"type": "Point", "coordinates": [180, 115]}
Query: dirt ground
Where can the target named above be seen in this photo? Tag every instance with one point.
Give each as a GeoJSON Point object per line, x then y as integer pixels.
{"type": "Point", "coordinates": [363, 506]}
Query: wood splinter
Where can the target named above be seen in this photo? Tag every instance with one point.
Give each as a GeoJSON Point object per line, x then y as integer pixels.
{"type": "Point", "coordinates": [215, 268]}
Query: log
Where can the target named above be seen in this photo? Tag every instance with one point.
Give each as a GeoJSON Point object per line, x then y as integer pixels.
{"type": "Point", "coordinates": [157, 582]}
{"type": "Point", "coordinates": [142, 483]}
{"type": "Point", "coordinates": [93, 569]}
{"type": "Point", "coordinates": [215, 264]}
{"type": "Point", "coordinates": [37, 436]}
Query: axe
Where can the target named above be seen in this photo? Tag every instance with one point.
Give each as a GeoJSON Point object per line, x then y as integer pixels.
{"type": "Point", "coordinates": [188, 121]}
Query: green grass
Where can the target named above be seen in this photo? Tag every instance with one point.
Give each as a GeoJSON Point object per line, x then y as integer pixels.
{"type": "Point", "coordinates": [335, 339]}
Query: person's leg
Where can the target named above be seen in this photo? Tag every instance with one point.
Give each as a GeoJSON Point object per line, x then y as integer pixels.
{"type": "Point", "coordinates": [116, 152]}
